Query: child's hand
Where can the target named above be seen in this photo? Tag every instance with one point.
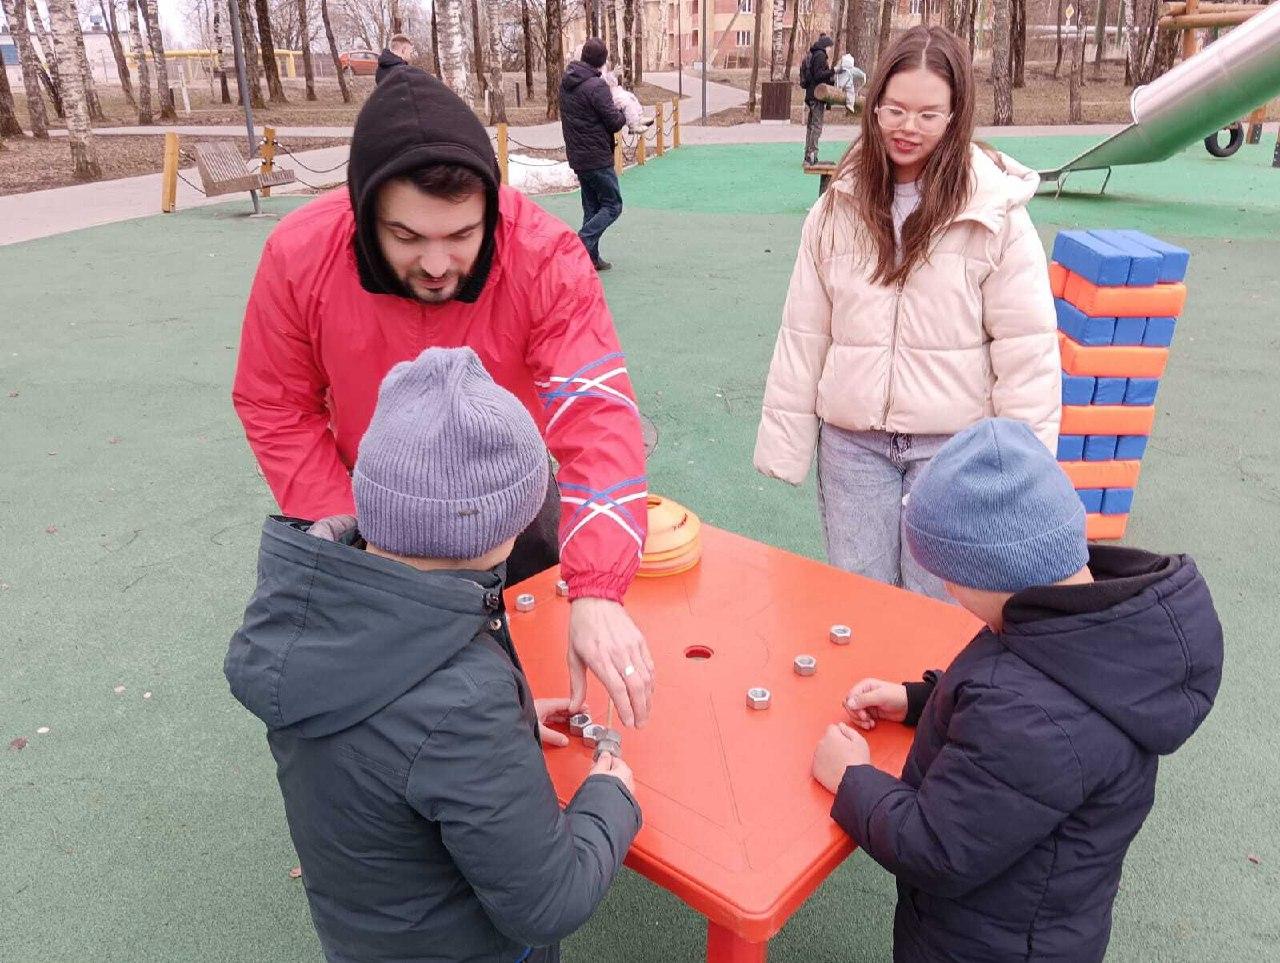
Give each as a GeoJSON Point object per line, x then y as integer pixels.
{"type": "Point", "coordinates": [611, 765]}
{"type": "Point", "coordinates": [549, 711]}
{"type": "Point", "coordinates": [873, 699]}
{"type": "Point", "coordinates": [839, 749]}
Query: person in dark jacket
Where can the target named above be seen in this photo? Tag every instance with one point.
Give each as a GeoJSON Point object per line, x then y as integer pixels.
{"type": "Point", "coordinates": [405, 736]}
{"type": "Point", "coordinates": [1035, 754]}
{"type": "Point", "coordinates": [399, 51]}
{"type": "Point", "coordinates": [589, 119]}
{"type": "Point", "coordinates": [815, 69]}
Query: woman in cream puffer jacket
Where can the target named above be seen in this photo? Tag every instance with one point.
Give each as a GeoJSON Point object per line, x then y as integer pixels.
{"type": "Point", "coordinates": [878, 361]}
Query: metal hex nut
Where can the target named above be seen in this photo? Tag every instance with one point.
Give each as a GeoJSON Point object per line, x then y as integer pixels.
{"type": "Point", "coordinates": [805, 665]}
{"type": "Point", "coordinates": [841, 634]}
{"type": "Point", "coordinates": [562, 589]}
{"type": "Point", "coordinates": [612, 746]}
{"type": "Point", "coordinates": [759, 698]}
{"type": "Point", "coordinates": [593, 733]}
{"type": "Point", "coordinates": [578, 722]}
{"type": "Point", "coordinates": [525, 603]}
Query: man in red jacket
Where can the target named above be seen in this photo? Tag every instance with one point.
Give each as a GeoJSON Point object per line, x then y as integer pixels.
{"type": "Point", "coordinates": [425, 249]}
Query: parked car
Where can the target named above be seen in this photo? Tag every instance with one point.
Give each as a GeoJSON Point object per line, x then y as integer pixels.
{"type": "Point", "coordinates": [358, 63]}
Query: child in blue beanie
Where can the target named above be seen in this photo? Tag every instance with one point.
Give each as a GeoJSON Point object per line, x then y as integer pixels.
{"type": "Point", "coordinates": [405, 736]}
{"type": "Point", "coordinates": [1035, 754]}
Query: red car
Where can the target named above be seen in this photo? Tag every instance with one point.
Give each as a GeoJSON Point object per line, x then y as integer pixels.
{"type": "Point", "coordinates": [359, 63]}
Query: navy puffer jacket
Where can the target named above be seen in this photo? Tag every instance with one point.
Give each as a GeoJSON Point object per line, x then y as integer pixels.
{"type": "Point", "coordinates": [588, 118]}
{"type": "Point", "coordinates": [1034, 764]}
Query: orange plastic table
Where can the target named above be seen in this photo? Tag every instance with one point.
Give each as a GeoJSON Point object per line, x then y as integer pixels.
{"type": "Point", "coordinates": [734, 824]}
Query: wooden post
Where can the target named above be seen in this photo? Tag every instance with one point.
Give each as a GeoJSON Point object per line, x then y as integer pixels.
{"type": "Point", "coordinates": [1190, 41]}
{"type": "Point", "coordinates": [503, 153]}
{"type": "Point", "coordinates": [268, 155]}
{"type": "Point", "coordinates": [1254, 128]}
{"type": "Point", "coordinates": [1275, 158]}
{"type": "Point", "coordinates": [659, 121]}
{"type": "Point", "coordinates": [641, 148]}
{"type": "Point", "coordinates": [619, 162]}
{"type": "Point", "coordinates": [675, 112]}
{"type": "Point", "coordinates": [169, 182]}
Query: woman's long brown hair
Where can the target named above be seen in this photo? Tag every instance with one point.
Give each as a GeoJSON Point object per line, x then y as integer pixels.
{"type": "Point", "coordinates": [946, 181]}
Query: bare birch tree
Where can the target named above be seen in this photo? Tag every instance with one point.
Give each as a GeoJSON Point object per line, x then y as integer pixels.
{"type": "Point", "coordinates": [158, 57]}
{"type": "Point", "coordinates": [111, 22]}
{"type": "Point", "coordinates": [493, 30]}
{"type": "Point", "coordinates": [554, 56]}
{"type": "Point", "coordinates": [455, 65]}
{"type": "Point", "coordinates": [777, 50]}
{"type": "Point", "coordinates": [755, 55]}
{"type": "Point", "coordinates": [333, 49]}
{"type": "Point", "coordinates": [139, 58]}
{"type": "Point", "coordinates": [84, 158]}
{"type": "Point", "coordinates": [1000, 64]}
{"type": "Point", "coordinates": [15, 11]}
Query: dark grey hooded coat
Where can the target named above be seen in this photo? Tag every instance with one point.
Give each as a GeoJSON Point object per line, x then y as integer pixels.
{"type": "Point", "coordinates": [407, 753]}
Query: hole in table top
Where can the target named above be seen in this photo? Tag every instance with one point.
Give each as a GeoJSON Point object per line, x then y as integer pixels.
{"type": "Point", "coordinates": [699, 653]}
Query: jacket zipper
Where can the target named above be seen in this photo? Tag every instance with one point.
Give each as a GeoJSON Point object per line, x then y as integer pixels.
{"type": "Point", "coordinates": [893, 356]}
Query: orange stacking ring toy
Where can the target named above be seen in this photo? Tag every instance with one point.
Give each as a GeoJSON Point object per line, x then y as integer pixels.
{"type": "Point", "coordinates": [674, 543]}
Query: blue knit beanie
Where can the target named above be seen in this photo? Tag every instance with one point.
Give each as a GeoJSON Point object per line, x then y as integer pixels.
{"type": "Point", "coordinates": [452, 465]}
{"type": "Point", "coordinates": [993, 510]}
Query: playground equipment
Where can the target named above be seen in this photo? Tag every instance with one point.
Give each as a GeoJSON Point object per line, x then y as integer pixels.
{"type": "Point", "coordinates": [222, 169]}
{"type": "Point", "coordinates": [1200, 96]}
{"type": "Point", "coordinates": [1118, 295]}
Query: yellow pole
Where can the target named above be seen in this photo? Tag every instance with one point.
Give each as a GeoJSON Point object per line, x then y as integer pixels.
{"type": "Point", "coordinates": [618, 160]}
{"type": "Point", "coordinates": [659, 123]}
{"type": "Point", "coordinates": [503, 154]}
{"type": "Point", "coordinates": [675, 112]}
{"type": "Point", "coordinates": [268, 154]}
{"type": "Point", "coordinates": [169, 182]}
{"type": "Point", "coordinates": [291, 70]}
{"type": "Point", "coordinates": [1190, 40]}
{"type": "Point", "coordinates": [640, 148]}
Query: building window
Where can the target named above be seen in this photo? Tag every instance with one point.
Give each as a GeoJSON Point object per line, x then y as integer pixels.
{"type": "Point", "coordinates": [744, 6]}
{"type": "Point", "coordinates": [744, 38]}
{"type": "Point", "coordinates": [917, 8]}
{"type": "Point", "coordinates": [693, 38]}
{"type": "Point", "coordinates": [693, 8]}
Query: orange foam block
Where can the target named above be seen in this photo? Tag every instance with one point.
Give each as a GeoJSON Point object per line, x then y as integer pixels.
{"type": "Point", "coordinates": [1108, 420]}
{"type": "Point", "coordinates": [1105, 528]}
{"type": "Point", "coordinates": [1112, 362]}
{"type": "Point", "coordinates": [1102, 474]}
{"type": "Point", "coordinates": [1058, 279]}
{"type": "Point", "coordinates": [1158, 301]}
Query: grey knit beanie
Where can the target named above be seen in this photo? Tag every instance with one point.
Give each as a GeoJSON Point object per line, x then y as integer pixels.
{"type": "Point", "coordinates": [452, 465]}
{"type": "Point", "coordinates": [993, 510]}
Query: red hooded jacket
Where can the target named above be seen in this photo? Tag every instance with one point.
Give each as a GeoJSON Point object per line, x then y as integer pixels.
{"type": "Point", "coordinates": [316, 345]}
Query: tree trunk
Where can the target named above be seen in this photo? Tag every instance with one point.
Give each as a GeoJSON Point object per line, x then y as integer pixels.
{"type": "Point", "coordinates": [455, 70]}
{"type": "Point", "coordinates": [610, 32]}
{"type": "Point", "coordinates": [152, 20]}
{"type": "Point", "coordinates": [837, 21]}
{"type": "Point", "coordinates": [493, 30]}
{"type": "Point", "coordinates": [333, 49]}
{"type": "Point", "coordinates": [219, 53]}
{"type": "Point", "coordinates": [1131, 54]}
{"type": "Point", "coordinates": [1000, 64]}
{"type": "Point", "coordinates": [852, 9]}
{"type": "Point", "coordinates": [275, 89]}
{"type": "Point", "coordinates": [477, 46]}
{"type": "Point", "coordinates": [15, 11]}
{"type": "Point", "coordinates": [397, 24]}
{"type": "Point", "coordinates": [886, 27]}
{"type": "Point", "coordinates": [308, 68]}
{"type": "Point", "coordinates": [84, 158]}
{"type": "Point", "coordinates": [590, 14]}
{"type": "Point", "coordinates": [637, 74]}
{"type": "Point", "coordinates": [9, 126]}
{"type": "Point", "coordinates": [1075, 110]}
{"type": "Point", "coordinates": [1020, 46]}
{"type": "Point", "coordinates": [779, 37]}
{"type": "Point", "coordinates": [435, 40]}
{"type": "Point", "coordinates": [791, 42]}
{"type": "Point", "coordinates": [139, 58]}
{"type": "Point", "coordinates": [868, 34]}
{"type": "Point", "coordinates": [82, 64]}
{"type": "Point", "coordinates": [755, 56]}
{"type": "Point", "coordinates": [527, 34]}
{"type": "Point", "coordinates": [554, 58]}
{"type": "Point", "coordinates": [108, 10]}
{"type": "Point", "coordinates": [628, 48]}
{"type": "Point", "coordinates": [50, 78]}
{"type": "Point", "coordinates": [1057, 63]}
{"type": "Point", "coordinates": [252, 59]}
{"type": "Point", "coordinates": [1099, 38]}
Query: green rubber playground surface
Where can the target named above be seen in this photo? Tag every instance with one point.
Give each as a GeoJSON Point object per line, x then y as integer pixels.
{"type": "Point", "coordinates": [146, 824]}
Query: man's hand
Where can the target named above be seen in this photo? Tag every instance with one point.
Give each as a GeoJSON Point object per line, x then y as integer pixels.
{"type": "Point", "coordinates": [873, 699]}
{"type": "Point", "coordinates": [611, 765]}
{"type": "Point", "coordinates": [603, 638]}
{"type": "Point", "coordinates": [549, 711]}
{"type": "Point", "coordinates": [332, 528]}
{"type": "Point", "coordinates": [839, 749]}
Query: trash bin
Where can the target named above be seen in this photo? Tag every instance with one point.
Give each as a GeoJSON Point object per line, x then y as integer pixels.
{"type": "Point", "coordinates": [775, 101]}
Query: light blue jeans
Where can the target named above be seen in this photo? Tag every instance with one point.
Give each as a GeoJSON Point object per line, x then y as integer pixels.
{"type": "Point", "coordinates": [863, 477]}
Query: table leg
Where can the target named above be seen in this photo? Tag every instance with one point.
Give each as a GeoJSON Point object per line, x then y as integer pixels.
{"type": "Point", "coordinates": [726, 946]}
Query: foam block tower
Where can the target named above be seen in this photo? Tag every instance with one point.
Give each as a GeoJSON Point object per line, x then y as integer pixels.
{"type": "Point", "coordinates": [1118, 296]}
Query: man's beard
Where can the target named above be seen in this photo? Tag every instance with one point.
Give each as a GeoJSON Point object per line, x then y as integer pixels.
{"type": "Point", "coordinates": [426, 296]}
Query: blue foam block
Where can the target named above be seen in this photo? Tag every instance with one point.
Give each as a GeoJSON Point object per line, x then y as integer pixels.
{"type": "Point", "coordinates": [1099, 447]}
{"type": "Point", "coordinates": [1070, 447]}
{"type": "Point", "coordinates": [1173, 259]}
{"type": "Point", "coordinates": [1117, 501]}
{"type": "Point", "coordinates": [1093, 259]}
{"type": "Point", "coordinates": [1159, 333]}
{"type": "Point", "coordinates": [1078, 389]}
{"type": "Point", "coordinates": [1092, 498]}
{"type": "Point", "coordinates": [1081, 328]}
{"type": "Point", "coordinates": [1144, 263]}
{"type": "Point", "coordinates": [1141, 391]}
{"type": "Point", "coordinates": [1131, 447]}
{"type": "Point", "coordinates": [1110, 391]}
{"type": "Point", "coordinates": [1129, 331]}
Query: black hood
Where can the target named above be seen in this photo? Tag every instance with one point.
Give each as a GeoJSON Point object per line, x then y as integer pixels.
{"type": "Point", "coordinates": [412, 120]}
{"type": "Point", "coordinates": [822, 43]}
{"type": "Point", "coordinates": [577, 74]}
{"type": "Point", "coordinates": [1149, 660]}
{"type": "Point", "coordinates": [334, 634]}
{"type": "Point", "coordinates": [387, 62]}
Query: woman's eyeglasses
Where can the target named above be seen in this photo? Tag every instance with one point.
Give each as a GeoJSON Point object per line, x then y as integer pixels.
{"type": "Point", "coordinates": [926, 121]}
